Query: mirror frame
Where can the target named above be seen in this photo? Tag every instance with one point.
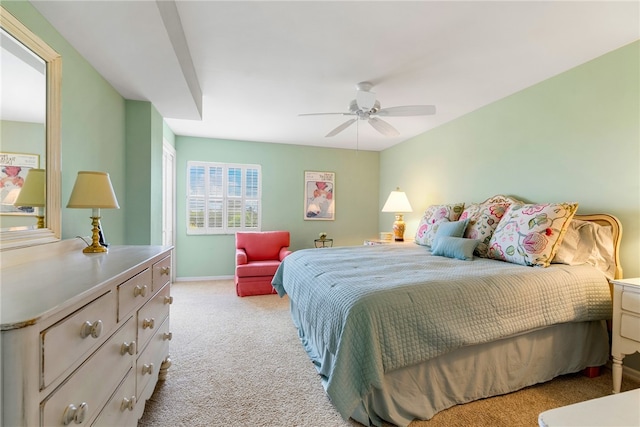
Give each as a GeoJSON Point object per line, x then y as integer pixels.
{"type": "Point", "coordinates": [12, 239]}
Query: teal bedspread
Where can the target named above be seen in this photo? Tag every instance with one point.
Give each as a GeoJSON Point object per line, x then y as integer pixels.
{"type": "Point", "coordinates": [364, 311]}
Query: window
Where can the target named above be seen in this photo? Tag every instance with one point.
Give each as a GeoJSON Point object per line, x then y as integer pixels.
{"type": "Point", "coordinates": [223, 198]}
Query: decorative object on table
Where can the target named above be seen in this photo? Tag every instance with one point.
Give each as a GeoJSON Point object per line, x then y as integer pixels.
{"type": "Point", "coordinates": [32, 194]}
{"type": "Point", "coordinates": [323, 242]}
{"type": "Point", "coordinates": [13, 172]}
{"type": "Point", "coordinates": [319, 195]}
{"type": "Point", "coordinates": [93, 190]}
{"type": "Point", "coordinates": [397, 202]}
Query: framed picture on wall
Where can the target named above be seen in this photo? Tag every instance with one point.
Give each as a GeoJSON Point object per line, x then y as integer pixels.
{"type": "Point", "coordinates": [13, 171]}
{"type": "Point", "coordinates": [319, 196]}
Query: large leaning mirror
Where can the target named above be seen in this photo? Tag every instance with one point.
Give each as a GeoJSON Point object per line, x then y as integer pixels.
{"type": "Point", "coordinates": [30, 136]}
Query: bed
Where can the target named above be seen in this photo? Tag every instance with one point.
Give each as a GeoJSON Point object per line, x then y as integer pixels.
{"type": "Point", "coordinates": [397, 333]}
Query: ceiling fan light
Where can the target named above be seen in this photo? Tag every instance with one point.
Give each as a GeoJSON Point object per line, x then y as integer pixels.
{"type": "Point", "coordinates": [365, 100]}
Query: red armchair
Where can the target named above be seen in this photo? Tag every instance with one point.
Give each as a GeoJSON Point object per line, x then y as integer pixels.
{"type": "Point", "coordinates": [258, 255]}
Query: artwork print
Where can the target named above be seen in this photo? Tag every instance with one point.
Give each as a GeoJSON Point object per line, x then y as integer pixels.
{"type": "Point", "coordinates": [319, 196]}
{"type": "Point", "coordinates": [13, 171]}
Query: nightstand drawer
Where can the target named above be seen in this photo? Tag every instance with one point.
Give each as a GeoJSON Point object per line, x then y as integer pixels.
{"type": "Point", "coordinates": [70, 339]}
{"type": "Point", "coordinates": [630, 301]}
{"type": "Point", "coordinates": [630, 327]}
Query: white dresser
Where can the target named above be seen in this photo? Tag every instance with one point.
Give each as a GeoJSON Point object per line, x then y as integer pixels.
{"type": "Point", "coordinates": [85, 337]}
{"type": "Point", "coordinates": [626, 325]}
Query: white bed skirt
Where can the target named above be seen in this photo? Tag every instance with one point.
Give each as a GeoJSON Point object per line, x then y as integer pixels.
{"type": "Point", "coordinates": [491, 369]}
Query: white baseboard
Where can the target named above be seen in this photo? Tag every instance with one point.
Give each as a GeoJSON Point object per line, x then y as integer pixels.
{"type": "Point", "coordinates": [631, 373]}
{"type": "Point", "coordinates": [203, 278]}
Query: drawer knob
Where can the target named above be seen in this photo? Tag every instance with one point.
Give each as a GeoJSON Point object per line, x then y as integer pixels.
{"type": "Point", "coordinates": [148, 323]}
{"type": "Point", "coordinates": [129, 404]}
{"type": "Point", "coordinates": [168, 300]}
{"type": "Point", "coordinates": [165, 270]}
{"type": "Point", "coordinates": [167, 336]}
{"type": "Point", "coordinates": [91, 329]}
{"type": "Point", "coordinates": [140, 291]}
{"type": "Point", "coordinates": [147, 369]}
{"type": "Point", "coordinates": [129, 348]}
{"type": "Point", "coordinates": [75, 414]}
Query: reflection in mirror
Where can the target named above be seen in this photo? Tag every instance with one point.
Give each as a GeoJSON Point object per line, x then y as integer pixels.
{"type": "Point", "coordinates": [30, 134]}
{"type": "Point", "coordinates": [22, 128]}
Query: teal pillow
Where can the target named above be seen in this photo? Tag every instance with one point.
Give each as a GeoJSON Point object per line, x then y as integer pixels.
{"type": "Point", "coordinates": [455, 247]}
{"type": "Point", "coordinates": [452, 229]}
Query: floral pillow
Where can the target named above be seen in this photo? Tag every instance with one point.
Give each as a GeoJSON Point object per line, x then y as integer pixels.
{"type": "Point", "coordinates": [531, 234]}
{"type": "Point", "coordinates": [483, 220]}
{"type": "Point", "coordinates": [433, 216]}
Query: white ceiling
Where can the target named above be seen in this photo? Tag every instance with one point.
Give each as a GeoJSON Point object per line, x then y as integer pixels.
{"type": "Point", "coordinates": [250, 67]}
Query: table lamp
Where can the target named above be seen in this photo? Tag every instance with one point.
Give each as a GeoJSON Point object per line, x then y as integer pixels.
{"type": "Point", "coordinates": [32, 194]}
{"type": "Point", "coordinates": [397, 202]}
{"type": "Point", "coordinates": [93, 190]}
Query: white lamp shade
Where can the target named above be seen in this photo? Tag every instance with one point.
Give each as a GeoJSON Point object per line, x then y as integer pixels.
{"type": "Point", "coordinates": [93, 190]}
{"type": "Point", "coordinates": [33, 190]}
{"type": "Point", "coordinates": [397, 202]}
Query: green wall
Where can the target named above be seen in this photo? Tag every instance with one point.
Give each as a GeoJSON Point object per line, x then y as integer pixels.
{"type": "Point", "coordinates": [283, 166]}
{"type": "Point", "coordinates": [94, 137]}
{"type": "Point", "coordinates": [574, 137]}
{"type": "Point", "coordinates": [144, 130]}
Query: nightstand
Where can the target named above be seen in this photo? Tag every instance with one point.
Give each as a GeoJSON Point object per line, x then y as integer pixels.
{"type": "Point", "coordinates": [626, 324]}
{"type": "Point", "coordinates": [323, 243]}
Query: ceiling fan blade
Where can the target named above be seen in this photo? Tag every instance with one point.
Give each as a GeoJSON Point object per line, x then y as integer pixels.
{"type": "Point", "coordinates": [383, 127]}
{"type": "Point", "coordinates": [326, 114]}
{"type": "Point", "coordinates": [340, 128]}
{"type": "Point", "coordinates": [407, 110]}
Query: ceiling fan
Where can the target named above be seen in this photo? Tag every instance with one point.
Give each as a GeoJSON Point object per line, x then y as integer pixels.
{"type": "Point", "coordinates": [367, 107]}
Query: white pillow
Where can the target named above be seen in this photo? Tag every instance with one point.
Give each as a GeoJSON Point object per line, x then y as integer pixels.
{"type": "Point", "coordinates": [587, 242]}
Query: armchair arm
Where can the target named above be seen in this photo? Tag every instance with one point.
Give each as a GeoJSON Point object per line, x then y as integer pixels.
{"type": "Point", "coordinates": [241, 256]}
{"type": "Point", "coordinates": [284, 251]}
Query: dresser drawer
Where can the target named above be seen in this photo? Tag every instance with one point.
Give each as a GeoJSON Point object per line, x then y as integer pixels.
{"type": "Point", "coordinates": [630, 301]}
{"type": "Point", "coordinates": [151, 359]}
{"type": "Point", "coordinates": [73, 337]}
{"type": "Point", "coordinates": [133, 293]}
{"type": "Point", "coordinates": [86, 391]}
{"type": "Point", "coordinates": [121, 409]}
{"type": "Point", "coordinates": [151, 315]}
{"type": "Point", "coordinates": [630, 327]}
{"type": "Point", "coordinates": [161, 273]}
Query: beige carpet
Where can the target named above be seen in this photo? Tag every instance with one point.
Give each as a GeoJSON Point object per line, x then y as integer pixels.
{"type": "Point", "coordinates": [238, 362]}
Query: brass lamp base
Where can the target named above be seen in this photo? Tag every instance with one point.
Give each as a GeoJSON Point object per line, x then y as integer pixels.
{"type": "Point", "coordinates": [95, 247]}
{"type": "Point", "coordinates": [398, 228]}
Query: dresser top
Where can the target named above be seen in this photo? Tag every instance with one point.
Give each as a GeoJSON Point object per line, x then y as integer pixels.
{"type": "Point", "coordinates": [31, 291]}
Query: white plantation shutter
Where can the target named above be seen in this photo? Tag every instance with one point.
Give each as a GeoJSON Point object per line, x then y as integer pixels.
{"type": "Point", "coordinates": [223, 198]}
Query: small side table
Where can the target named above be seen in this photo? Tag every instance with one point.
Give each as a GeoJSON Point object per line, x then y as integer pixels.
{"type": "Point", "coordinates": [323, 243]}
{"type": "Point", "coordinates": [626, 325]}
